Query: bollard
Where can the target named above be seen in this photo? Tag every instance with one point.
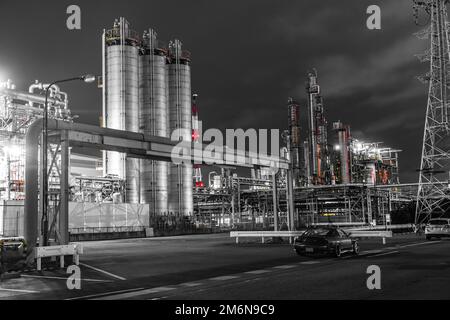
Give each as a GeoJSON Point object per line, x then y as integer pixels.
{"type": "Point", "coordinates": [262, 240]}
{"type": "Point", "coordinates": [76, 259]}
{"type": "Point", "coordinates": [384, 240]}
{"type": "Point", "coordinates": [38, 264]}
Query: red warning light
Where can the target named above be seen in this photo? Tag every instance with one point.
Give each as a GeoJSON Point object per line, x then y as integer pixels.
{"type": "Point", "coordinates": [195, 135]}
{"type": "Point", "coordinates": [199, 184]}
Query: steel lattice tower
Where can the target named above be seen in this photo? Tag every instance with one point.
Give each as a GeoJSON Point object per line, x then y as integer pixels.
{"type": "Point", "coordinates": [433, 196]}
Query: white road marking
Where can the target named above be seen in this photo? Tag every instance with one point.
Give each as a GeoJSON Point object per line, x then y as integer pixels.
{"type": "Point", "coordinates": [384, 254]}
{"type": "Point", "coordinates": [257, 271]}
{"type": "Point", "coordinates": [287, 266]}
{"type": "Point", "coordinates": [18, 290]}
{"type": "Point", "coordinates": [190, 284]}
{"type": "Point", "coordinates": [103, 271]}
{"type": "Point", "coordinates": [135, 293]}
{"type": "Point", "coordinates": [310, 262]}
{"type": "Point", "coordinates": [418, 244]}
{"type": "Point", "coordinates": [61, 278]}
{"type": "Point", "coordinates": [103, 294]}
{"type": "Point", "coordinates": [223, 278]}
{"type": "Point", "coordinates": [371, 251]}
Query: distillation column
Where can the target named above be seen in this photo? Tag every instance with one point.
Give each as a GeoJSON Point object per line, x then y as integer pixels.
{"type": "Point", "coordinates": [344, 152]}
{"type": "Point", "coordinates": [319, 162]}
{"type": "Point", "coordinates": [180, 117]}
{"type": "Point", "coordinates": [121, 99]}
{"type": "Point", "coordinates": [294, 132]}
{"type": "Point", "coordinates": [154, 120]}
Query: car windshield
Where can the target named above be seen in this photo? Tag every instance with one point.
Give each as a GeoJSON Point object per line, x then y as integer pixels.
{"type": "Point", "coordinates": [321, 232]}
{"type": "Point", "coordinates": [438, 222]}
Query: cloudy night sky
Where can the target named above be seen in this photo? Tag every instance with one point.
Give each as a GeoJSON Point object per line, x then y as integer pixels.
{"type": "Point", "coordinates": [248, 57]}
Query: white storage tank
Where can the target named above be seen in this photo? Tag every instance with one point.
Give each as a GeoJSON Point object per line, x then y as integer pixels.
{"type": "Point", "coordinates": [180, 117]}
{"type": "Point", "coordinates": [154, 120]}
{"type": "Point", "coordinates": [121, 99]}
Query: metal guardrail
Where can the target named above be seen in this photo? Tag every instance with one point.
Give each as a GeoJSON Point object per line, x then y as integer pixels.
{"type": "Point", "coordinates": [58, 251]}
{"type": "Point", "coordinates": [371, 234]}
{"type": "Point", "coordinates": [384, 227]}
{"type": "Point", "coordinates": [339, 224]}
{"type": "Point", "coordinates": [359, 232]}
{"type": "Point", "coordinates": [265, 234]}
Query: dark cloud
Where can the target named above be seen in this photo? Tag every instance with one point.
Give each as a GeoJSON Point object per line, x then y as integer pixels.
{"type": "Point", "coordinates": [248, 58]}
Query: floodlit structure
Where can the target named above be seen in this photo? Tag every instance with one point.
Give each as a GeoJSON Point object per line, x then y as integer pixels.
{"type": "Point", "coordinates": [147, 89]}
{"type": "Point", "coordinates": [198, 178]}
{"type": "Point", "coordinates": [180, 126]}
{"type": "Point", "coordinates": [343, 149]}
{"type": "Point", "coordinates": [318, 140]}
{"type": "Point", "coordinates": [148, 103]}
{"type": "Point", "coordinates": [154, 118]}
{"type": "Point", "coordinates": [18, 109]}
{"type": "Point", "coordinates": [295, 141]}
{"type": "Point", "coordinates": [121, 99]}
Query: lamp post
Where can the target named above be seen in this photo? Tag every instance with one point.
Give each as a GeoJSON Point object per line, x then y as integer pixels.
{"type": "Point", "coordinates": [44, 161]}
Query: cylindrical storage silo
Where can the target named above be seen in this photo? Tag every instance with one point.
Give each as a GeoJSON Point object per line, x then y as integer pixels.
{"type": "Point", "coordinates": [153, 107]}
{"type": "Point", "coordinates": [121, 67]}
{"type": "Point", "coordinates": [180, 117]}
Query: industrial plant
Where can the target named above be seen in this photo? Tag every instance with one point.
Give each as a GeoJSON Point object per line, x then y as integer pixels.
{"type": "Point", "coordinates": [201, 212]}
{"type": "Point", "coordinates": [146, 85]}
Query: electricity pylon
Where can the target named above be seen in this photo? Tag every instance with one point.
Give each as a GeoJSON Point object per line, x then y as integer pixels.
{"type": "Point", "coordinates": [433, 196]}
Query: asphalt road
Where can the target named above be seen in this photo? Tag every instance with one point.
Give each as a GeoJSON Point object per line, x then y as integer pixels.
{"type": "Point", "coordinates": [214, 267]}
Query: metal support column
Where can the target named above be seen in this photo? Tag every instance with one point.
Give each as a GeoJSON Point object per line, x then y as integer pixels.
{"type": "Point", "coordinates": [275, 202]}
{"type": "Point", "coordinates": [64, 187]}
{"type": "Point", "coordinates": [42, 185]}
{"type": "Point", "coordinates": [290, 200]}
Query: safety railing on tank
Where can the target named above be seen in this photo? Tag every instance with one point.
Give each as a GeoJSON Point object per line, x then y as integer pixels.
{"type": "Point", "coordinates": [114, 34]}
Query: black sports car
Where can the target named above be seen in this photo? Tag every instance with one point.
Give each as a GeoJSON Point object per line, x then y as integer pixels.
{"type": "Point", "coordinates": [325, 240]}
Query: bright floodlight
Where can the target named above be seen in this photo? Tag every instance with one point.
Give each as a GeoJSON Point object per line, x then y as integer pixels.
{"type": "Point", "coordinates": [88, 78]}
{"type": "Point", "coordinates": [13, 150]}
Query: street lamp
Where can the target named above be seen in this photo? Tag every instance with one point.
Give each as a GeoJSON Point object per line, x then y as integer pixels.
{"type": "Point", "coordinates": [88, 78]}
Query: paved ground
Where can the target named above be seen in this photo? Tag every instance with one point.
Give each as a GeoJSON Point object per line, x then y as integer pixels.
{"type": "Point", "coordinates": [214, 267]}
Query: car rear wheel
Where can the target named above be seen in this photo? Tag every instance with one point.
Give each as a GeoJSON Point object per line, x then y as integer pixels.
{"type": "Point", "coordinates": [429, 237]}
{"type": "Point", "coordinates": [338, 251]}
{"type": "Point", "coordinates": [355, 248]}
{"type": "Point", "coordinates": [299, 252]}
